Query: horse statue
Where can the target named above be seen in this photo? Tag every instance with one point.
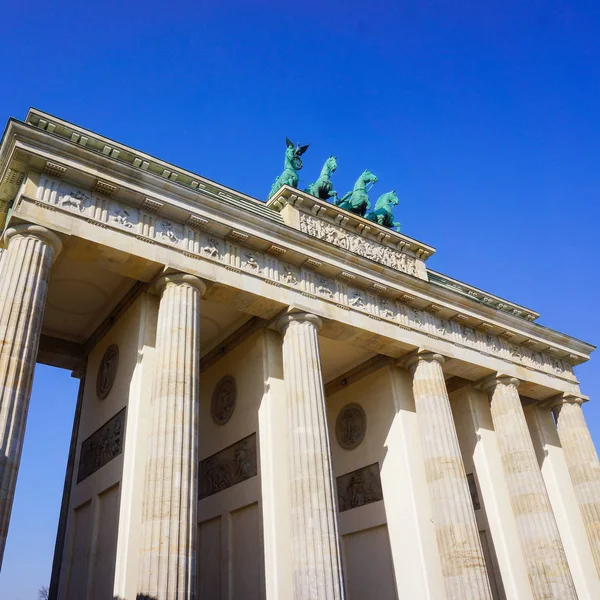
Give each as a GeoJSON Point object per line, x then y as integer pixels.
{"type": "Point", "coordinates": [382, 215]}
{"type": "Point", "coordinates": [293, 163]}
{"type": "Point", "coordinates": [357, 201]}
{"type": "Point", "coordinates": [322, 187]}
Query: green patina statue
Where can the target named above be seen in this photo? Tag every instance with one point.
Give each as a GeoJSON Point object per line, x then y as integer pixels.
{"type": "Point", "coordinates": [293, 163]}
{"type": "Point", "coordinates": [357, 201]}
{"type": "Point", "coordinates": [382, 215]}
{"type": "Point", "coordinates": [323, 187]}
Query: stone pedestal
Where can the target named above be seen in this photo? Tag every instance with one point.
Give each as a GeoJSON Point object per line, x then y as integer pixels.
{"type": "Point", "coordinates": [169, 522]}
{"type": "Point", "coordinates": [583, 464]}
{"type": "Point", "coordinates": [459, 545]}
{"type": "Point", "coordinates": [547, 566]}
{"type": "Point", "coordinates": [316, 560]}
{"type": "Point", "coordinates": [24, 274]}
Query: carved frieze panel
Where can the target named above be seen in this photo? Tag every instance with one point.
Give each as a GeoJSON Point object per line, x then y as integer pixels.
{"type": "Point", "coordinates": [358, 244]}
{"type": "Point", "coordinates": [169, 232]}
{"type": "Point", "coordinates": [102, 446]}
{"type": "Point", "coordinates": [223, 400]}
{"type": "Point", "coordinates": [342, 290]}
{"type": "Point", "coordinates": [359, 488]}
{"type": "Point", "coordinates": [289, 274]}
{"type": "Point", "coordinates": [226, 468]}
{"type": "Point", "coordinates": [351, 426]}
{"type": "Point", "coordinates": [107, 371]}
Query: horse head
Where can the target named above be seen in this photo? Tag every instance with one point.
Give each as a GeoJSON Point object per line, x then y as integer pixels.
{"type": "Point", "coordinates": [293, 154]}
{"type": "Point", "coordinates": [388, 199]}
{"type": "Point", "coordinates": [368, 177]}
{"type": "Point", "coordinates": [331, 163]}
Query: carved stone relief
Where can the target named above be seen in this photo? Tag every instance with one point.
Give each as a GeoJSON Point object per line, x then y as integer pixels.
{"type": "Point", "coordinates": [107, 371]}
{"type": "Point", "coordinates": [290, 274]}
{"type": "Point", "coordinates": [250, 262]}
{"type": "Point", "coordinates": [102, 446]}
{"type": "Point", "coordinates": [226, 468]}
{"type": "Point", "coordinates": [223, 400]}
{"type": "Point", "coordinates": [74, 199]}
{"type": "Point", "coordinates": [356, 299]}
{"type": "Point", "coordinates": [212, 248]}
{"type": "Point", "coordinates": [358, 244]}
{"type": "Point", "coordinates": [167, 231]}
{"type": "Point", "coordinates": [123, 218]}
{"type": "Point", "coordinates": [359, 487]}
{"type": "Point", "coordinates": [351, 426]}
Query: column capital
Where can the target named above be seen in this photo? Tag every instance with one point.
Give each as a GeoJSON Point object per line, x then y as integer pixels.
{"type": "Point", "coordinates": [488, 384]}
{"type": "Point", "coordinates": [180, 279]}
{"type": "Point", "coordinates": [421, 355]}
{"type": "Point", "coordinates": [565, 398]}
{"type": "Point", "coordinates": [301, 317]}
{"type": "Point", "coordinates": [30, 230]}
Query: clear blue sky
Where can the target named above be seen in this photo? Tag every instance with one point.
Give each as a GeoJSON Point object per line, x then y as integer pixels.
{"type": "Point", "coordinates": [482, 115]}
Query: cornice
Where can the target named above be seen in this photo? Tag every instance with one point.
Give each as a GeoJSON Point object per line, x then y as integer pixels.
{"type": "Point", "coordinates": [481, 296]}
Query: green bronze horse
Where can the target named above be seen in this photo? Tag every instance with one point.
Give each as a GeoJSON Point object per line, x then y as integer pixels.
{"type": "Point", "coordinates": [382, 214]}
{"type": "Point", "coordinates": [357, 201]}
{"type": "Point", "coordinates": [293, 163]}
{"type": "Point", "coordinates": [323, 187]}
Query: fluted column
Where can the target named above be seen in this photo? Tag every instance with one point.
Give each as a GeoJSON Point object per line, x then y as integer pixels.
{"type": "Point", "coordinates": [583, 464]}
{"type": "Point", "coordinates": [315, 541]}
{"type": "Point", "coordinates": [547, 566]}
{"type": "Point", "coordinates": [169, 522]}
{"type": "Point", "coordinates": [459, 544]}
{"type": "Point", "coordinates": [24, 273]}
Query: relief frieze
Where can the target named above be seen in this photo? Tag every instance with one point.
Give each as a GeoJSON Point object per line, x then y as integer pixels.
{"type": "Point", "coordinates": [359, 488]}
{"type": "Point", "coordinates": [358, 244]}
{"type": "Point", "coordinates": [102, 446]}
{"type": "Point", "coordinates": [226, 468]}
{"type": "Point", "coordinates": [195, 242]}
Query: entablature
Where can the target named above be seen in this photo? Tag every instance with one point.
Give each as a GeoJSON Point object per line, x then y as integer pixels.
{"type": "Point", "coordinates": [202, 226]}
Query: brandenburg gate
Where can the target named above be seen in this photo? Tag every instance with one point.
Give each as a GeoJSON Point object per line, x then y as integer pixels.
{"type": "Point", "coordinates": [279, 400]}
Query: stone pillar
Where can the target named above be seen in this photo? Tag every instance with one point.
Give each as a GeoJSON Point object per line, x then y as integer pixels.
{"type": "Point", "coordinates": [24, 274]}
{"type": "Point", "coordinates": [583, 464]}
{"type": "Point", "coordinates": [459, 544]}
{"type": "Point", "coordinates": [317, 570]}
{"type": "Point", "coordinates": [169, 519]}
{"type": "Point", "coordinates": [547, 566]}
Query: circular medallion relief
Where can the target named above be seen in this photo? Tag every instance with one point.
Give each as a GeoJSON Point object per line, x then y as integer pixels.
{"type": "Point", "coordinates": [223, 400]}
{"type": "Point", "coordinates": [351, 426]}
{"type": "Point", "coordinates": [107, 371]}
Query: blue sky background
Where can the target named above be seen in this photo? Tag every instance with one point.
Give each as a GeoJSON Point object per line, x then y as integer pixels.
{"type": "Point", "coordinates": [482, 115]}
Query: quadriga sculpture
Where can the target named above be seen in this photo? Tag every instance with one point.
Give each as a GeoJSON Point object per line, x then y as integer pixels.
{"type": "Point", "coordinates": [357, 201]}
{"type": "Point", "coordinates": [293, 163]}
{"type": "Point", "coordinates": [323, 187]}
{"type": "Point", "coordinates": [382, 214]}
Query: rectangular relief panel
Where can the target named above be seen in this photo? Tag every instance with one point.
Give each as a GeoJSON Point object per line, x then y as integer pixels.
{"type": "Point", "coordinates": [368, 565]}
{"type": "Point", "coordinates": [230, 466]}
{"type": "Point", "coordinates": [209, 559]}
{"type": "Point", "coordinates": [102, 446]}
{"type": "Point", "coordinates": [81, 550]}
{"type": "Point", "coordinates": [246, 553]}
{"type": "Point", "coordinates": [359, 487]}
